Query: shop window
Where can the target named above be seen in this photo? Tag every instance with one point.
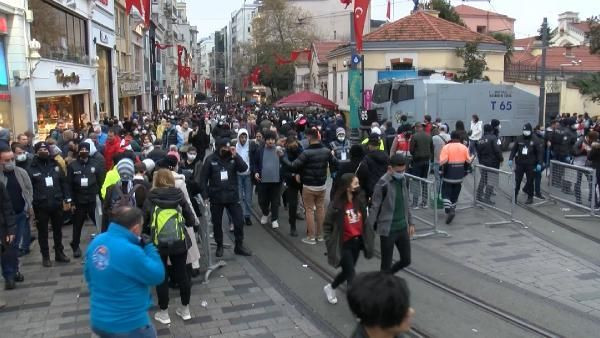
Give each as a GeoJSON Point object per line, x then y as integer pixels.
{"type": "Point", "coordinates": [63, 36]}
{"type": "Point", "coordinates": [481, 29]}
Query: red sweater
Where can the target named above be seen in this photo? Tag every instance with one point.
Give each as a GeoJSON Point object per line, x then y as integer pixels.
{"type": "Point", "coordinates": [353, 225]}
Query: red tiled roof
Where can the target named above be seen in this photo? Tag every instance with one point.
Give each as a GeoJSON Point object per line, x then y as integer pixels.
{"type": "Point", "coordinates": [556, 58]}
{"type": "Point", "coordinates": [322, 48]}
{"type": "Point", "coordinates": [582, 26]}
{"type": "Point", "coordinates": [424, 27]}
{"type": "Point", "coordinates": [468, 10]}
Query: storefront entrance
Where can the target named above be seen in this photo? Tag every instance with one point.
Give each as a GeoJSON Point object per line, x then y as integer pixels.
{"type": "Point", "coordinates": [69, 108]}
{"type": "Point", "coordinates": [105, 85]}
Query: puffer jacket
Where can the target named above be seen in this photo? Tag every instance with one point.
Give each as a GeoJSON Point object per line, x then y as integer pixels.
{"type": "Point", "coordinates": [370, 170]}
{"type": "Point", "coordinates": [333, 229]}
{"type": "Point", "coordinates": [167, 198]}
{"type": "Point", "coordinates": [312, 164]}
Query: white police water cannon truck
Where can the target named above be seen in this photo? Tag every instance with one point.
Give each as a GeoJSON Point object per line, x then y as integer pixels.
{"type": "Point", "coordinates": [452, 101]}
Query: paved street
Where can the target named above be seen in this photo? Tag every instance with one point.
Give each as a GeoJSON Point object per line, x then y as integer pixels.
{"type": "Point", "coordinates": [241, 301]}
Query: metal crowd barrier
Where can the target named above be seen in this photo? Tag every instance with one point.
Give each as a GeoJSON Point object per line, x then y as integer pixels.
{"type": "Point", "coordinates": [423, 196]}
{"type": "Point", "coordinates": [495, 189]}
{"type": "Point", "coordinates": [566, 184]}
{"type": "Point", "coordinates": [206, 259]}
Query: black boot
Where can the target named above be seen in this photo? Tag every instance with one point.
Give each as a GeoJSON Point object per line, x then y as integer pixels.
{"type": "Point", "coordinates": [219, 252]}
{"type": "Point", "coordinates": [248, 221]}
{"type": "Point", "coordinates": [240, 250]}
{"type": "Point", "coordinates": [10, 284]}
{"type": "Point", "coordinates": [46, 262]}
{"type": "Point", "coordinates": [19, 277]}
{"type": "Point", "coordinates": [76, 251]}
{"type": "Point", "coordinates": [529, 200]}
{"type": "Point", "coordinates": [61, 257]}
{"type": "Point", "coordinates": [450, 216]}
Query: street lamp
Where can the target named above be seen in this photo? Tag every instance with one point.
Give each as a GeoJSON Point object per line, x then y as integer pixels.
{"type": "Point", "coordinates": [34, 54]}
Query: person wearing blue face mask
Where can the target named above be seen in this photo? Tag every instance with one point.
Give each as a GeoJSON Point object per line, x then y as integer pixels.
{"type": "Point", "coordinates": [390, 215]}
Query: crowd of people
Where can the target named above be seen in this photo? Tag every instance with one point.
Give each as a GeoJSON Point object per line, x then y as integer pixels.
{"type": "Point", "coordinates": [138, 179]}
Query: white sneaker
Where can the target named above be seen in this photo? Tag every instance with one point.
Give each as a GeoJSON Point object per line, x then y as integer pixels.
{"type": "Point", "coordinates": [320, 238]}
{"type": "Point", "coordinates": [330, 293]}
{"type": "Point", "coordinates": [162, 316]}
{"type": "Point", "coordinates": [184, 312]}
{"type": "Point", "coordinates": [309, 240]}
{"type": "Point", "coordinates": [275, 224]}
{"type": "Point", "coordinates": [264, 219]}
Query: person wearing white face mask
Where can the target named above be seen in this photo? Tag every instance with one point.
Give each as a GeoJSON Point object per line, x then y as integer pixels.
{"type": "Point", "coordinates": [341, 148]}
{"type": "Point", "coordinates": [529, 156]}
{"type": "Point", "coordinates": [391, 217]}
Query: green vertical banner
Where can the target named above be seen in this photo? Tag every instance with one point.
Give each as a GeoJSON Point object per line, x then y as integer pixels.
{"type": "Point", "coordinates": [354, 98]}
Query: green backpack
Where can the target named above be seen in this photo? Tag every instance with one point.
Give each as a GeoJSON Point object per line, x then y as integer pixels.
{"type": "Point", "coordinates": [168, 233]}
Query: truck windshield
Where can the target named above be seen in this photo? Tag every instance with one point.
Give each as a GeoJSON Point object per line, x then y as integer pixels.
{"type": "Point", "coordinates": [381, 92]}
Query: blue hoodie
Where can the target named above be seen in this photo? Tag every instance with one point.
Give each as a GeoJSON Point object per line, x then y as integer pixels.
{"type": "Point", "coordinates": [119, 273]}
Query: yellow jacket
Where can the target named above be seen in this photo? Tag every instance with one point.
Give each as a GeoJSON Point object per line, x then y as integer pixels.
{"type": "Point", "coordinates": [112, 177]}
{"type": "Point", "coordinates": [381, 145]}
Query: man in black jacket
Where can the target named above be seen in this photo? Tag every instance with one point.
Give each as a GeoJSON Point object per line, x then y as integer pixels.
{"type": "Point", "coordinates": [312, 165]}
{"type": "Point", "coordinates": [51, 195]}
{"type": "Point", "coordinates": [373, 166]}
{"type": "Point", "coordinates": [421, 149]}
{"type": "Point", "coordinates": [8, 228]}
{"type": "Point", "coordinates": [490, 155]}
{"type": "Point", "coordinates": [85, 178]}
{"type": "Point", "coordinates": [528, 154]}
{"type": "Point", "coordinates": [218, 182]}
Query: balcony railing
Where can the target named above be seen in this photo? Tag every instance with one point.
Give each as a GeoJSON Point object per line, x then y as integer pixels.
{"type": "Point", "coordinates": [516, 72]}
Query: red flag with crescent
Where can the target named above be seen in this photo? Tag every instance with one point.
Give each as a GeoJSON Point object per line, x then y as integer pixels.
{"type": "Point", "coordinates": [360, 15]}
{"type": "Point", "coordinates": [346, 2]}
{"type": "Point", "coordinates": [143, 6]}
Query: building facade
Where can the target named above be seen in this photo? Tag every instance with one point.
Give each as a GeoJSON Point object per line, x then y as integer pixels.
{"type": "Point", "coordinates": [484, 22]}
{"type": "Point", "coordinates": [63, 84]}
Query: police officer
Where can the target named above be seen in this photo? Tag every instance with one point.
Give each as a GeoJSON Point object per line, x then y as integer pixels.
{"type": "Point", "coordinates": [490, 155]}
{"type": "Point", "coordinates": [219, 183]}
{"type": "Point", "coordinates": [51, 196]}
{"type": "Point", "coordinates": [85, 179]}
{"type": "Point", "coordinates": [341, 148]}
{"type": "Point", "coordinates": [561, 143]}
{"type": "Point", "coordinates": [528, 154]}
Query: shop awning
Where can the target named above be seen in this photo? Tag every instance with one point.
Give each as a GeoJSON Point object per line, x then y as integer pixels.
{"type": "Point", "coordinates": [305, 99]}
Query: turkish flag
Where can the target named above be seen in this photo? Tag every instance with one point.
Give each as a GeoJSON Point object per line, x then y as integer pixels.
{"type": "Point", "coordinates": [346, 2]}
{"type": "Point", "coordinates": [143, 6]}
{"type": "Point", "coordinates": [389, 9]}
{"type": "Point", "coordinates": [360, 16]}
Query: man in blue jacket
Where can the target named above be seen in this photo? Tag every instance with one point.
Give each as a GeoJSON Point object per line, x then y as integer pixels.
{"type": "Point", "coordinates": [120, 268]}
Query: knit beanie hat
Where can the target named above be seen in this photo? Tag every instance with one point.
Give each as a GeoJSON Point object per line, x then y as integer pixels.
{"type": "Point", "coordinates": [126, 169]}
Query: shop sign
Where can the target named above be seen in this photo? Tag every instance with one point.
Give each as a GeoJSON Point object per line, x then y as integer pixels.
{"type": "Point", "coordinates": [3, 24]}
{"type": "Point", "coordinates": [103, 37]}
{"type": "Point", "coordinates": [4, 97]}
{"type": "Point", "coordinates": [131, 88]}
{"type": "Point", "coordinates": [104, 2]}
{"type": "Point", "coordinates": [66, 79]}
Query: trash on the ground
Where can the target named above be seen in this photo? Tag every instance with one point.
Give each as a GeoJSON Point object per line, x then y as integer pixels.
{"type": "Point", "coordinates": [565, 209]}
{"type": "Point", "coordinates": [474, 330]}
{"type": "Point", "coordinates": [204, 303]}
{"type": "Point", "coordinates": [305, 265]}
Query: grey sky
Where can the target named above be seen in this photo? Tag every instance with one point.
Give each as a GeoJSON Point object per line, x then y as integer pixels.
{"type": "Point", "coordinates": [211, 15]}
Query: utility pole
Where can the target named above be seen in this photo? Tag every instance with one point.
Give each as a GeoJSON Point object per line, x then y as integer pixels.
{"type": "Point", "coordinates": [542, 102]}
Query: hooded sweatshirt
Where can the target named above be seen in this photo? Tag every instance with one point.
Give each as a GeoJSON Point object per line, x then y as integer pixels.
{"type": "Point", "coordinates": [244, 150]}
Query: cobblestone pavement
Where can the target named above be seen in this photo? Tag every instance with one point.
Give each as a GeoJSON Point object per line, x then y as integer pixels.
{"type": "Point", "coordinates": [241, 302]}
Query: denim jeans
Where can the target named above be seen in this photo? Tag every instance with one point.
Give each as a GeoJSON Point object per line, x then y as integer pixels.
{"type": "Point", "coordinates": [147, 331]}
{"type": "Point", "coordinates": [245, 192]}
{"type": "Point", "coordinates": [23, 235]}
{"type": "Point", "coordinates": [10, 252]}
